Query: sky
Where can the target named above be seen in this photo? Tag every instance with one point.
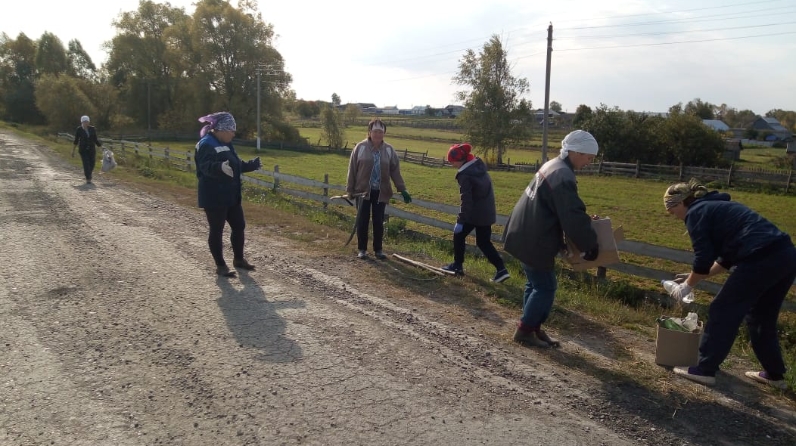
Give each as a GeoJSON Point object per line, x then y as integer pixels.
{"type": "Point", "coordinates": [637, 55]}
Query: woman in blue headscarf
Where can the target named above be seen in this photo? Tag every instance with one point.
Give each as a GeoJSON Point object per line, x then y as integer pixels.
{"type": "Point", "coordinates": [218, 169]}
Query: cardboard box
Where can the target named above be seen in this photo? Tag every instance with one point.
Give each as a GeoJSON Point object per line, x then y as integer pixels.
{"type": "Point", "coordinates": [677, 348]}
{"type": "Point", "coordinates": [607, 239]}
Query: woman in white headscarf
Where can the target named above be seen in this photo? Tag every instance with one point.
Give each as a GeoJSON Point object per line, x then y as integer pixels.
{"type": "Point", "coordinates": [86, 140]}
{"type": "Point", "coordinates": [549, 208]}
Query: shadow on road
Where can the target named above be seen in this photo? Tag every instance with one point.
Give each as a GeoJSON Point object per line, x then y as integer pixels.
{"type": "Point", "coordinates": [255, 322]}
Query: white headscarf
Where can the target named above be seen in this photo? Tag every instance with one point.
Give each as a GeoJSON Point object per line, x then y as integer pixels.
{"type": "Point", "coordinates": [579, 141]}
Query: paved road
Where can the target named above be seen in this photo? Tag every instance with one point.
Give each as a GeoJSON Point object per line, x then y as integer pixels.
{"type": "Point", "coordinates": [115, 331]}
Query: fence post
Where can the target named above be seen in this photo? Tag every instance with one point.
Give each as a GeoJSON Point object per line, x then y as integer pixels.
{"type": "Point", "coordinates": [325, 190]}
{"type": "Point", "coordinates": [680, 175]}
{"type": "Point", "coordinates": [729, 175]}
{"type": "Point", "coordinates": [406, 152]}
{"type": "Point", "coordinates": [423, 160]}
{"type": "Point", "coordinates": [276, 177]}
{"type": "Point", "coordinates": [601, 272]}
{"type": "Point", "coordinates": [600, 167]}
{"type": "Point", "coordinates": [787, 183]}
{"type": "Point", "coordinates": [136, 149]}
{"type": "Point", "coordinates": [188, 161]}
{"type": "Point", "coordinates": [638, 168]}
{"type": "Point", "coordinates": [166, 153]}
{"type": "Point", "coordinates": [149, 147]}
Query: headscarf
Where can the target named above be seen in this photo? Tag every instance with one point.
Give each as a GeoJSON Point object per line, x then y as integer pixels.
{"type": "Point", "coordinates": [460, 152]}
{"type": "Point", "coordinates": [579, 141]}
{"type": "Point", "coordinates": [677, 193]}
{"type": "Point", "coordinates": [84, 118]}
{"type": "Point", "coordinates": [221, 121]}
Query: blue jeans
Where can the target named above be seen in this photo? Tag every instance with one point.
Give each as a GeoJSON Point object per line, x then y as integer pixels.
{"type": "Point", "coordinates": [537, 300]}
{"type": "Point", "coordinates": [753, 292]}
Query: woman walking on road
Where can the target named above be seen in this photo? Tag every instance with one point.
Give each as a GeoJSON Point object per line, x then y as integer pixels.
{"type": "Point", "coordinates": [219, 170]}
{"type": "Point", "coordinates": [86, 139]}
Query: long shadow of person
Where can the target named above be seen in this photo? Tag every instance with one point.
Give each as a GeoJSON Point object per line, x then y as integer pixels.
{"type": "Point", "coordinates": [255, 322]}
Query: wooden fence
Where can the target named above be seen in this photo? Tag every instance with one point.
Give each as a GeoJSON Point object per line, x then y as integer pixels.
{"type": "Point", "coordinates": [184, 161]}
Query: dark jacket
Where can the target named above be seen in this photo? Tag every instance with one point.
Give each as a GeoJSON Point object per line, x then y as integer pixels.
{"type": "Point", "coordinates": [477, 195]}
{"type": "Point", "coordinates": [86, 141]}
{"type": "Point", "coordinates": [549, 208]}
{"type": "Point", "coordinates": [217, 189]}
{"type": "Point", "coordinates": [727, 232]}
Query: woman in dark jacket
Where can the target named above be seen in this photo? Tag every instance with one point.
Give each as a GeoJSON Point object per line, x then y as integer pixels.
{"type": "Point", "coordinates": [726, 234]}
{"type": "Point", "coordinates": [219, 170]}
{"type": "Point", "coordinates": [86, 139]}
{"type": "Point", "coordinates": [477, 211]}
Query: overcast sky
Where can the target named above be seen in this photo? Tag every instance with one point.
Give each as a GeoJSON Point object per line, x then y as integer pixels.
{"type": "Point", "coordinates": [637, 55]}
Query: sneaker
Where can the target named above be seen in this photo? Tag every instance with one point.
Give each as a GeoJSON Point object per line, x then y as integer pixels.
{"type": "Point", "coordinates": [501, 275]}
{"type": "Point", "coordinates": [695, 374]}
{"type": "Point", "coordinates": [454, 268]}
{"type": "Point", "coordinates": [362, 254]}
{"type": "Point", "coordinates": [242, 264]}
{"type": "Point", "coordinates": [380, 255]}
{"type": "Point", "coordinates": [224, 271]}
{"type": "Point", "coordinates": [763, 377]}
{"type": "Point", "coordinates": [543, 336]}
{"type": "Point", "coordinates": [529, 338]}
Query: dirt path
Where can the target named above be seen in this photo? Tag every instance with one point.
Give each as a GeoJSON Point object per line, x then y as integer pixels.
{"type": "Point", "coordinates": [116, 331]}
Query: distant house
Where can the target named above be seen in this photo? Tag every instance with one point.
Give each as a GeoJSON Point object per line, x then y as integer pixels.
{"type": "Point", "coordinates": [388, 110]}
{"type": "Point", "coordinates": [778, 131]}
{"type": "Point", "coordinates": [716, 125]}
{"type": "Point", "coordinates": [418, 110]}
{"type": "Point", "coordinates": [453, 110]}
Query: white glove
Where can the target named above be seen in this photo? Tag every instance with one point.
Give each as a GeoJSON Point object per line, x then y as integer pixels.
{"type": "Point", "coordinates": [226, 169]}
{"type": "Point", "coordinates": [680, 291]}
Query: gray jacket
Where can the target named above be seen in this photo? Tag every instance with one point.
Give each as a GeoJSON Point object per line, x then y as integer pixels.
{"type": "Point", "coordinates": [548, 208]}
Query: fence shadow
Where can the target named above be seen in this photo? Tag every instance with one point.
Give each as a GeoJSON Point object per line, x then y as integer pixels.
{"type": "Point", "coordinates": [255, 321]}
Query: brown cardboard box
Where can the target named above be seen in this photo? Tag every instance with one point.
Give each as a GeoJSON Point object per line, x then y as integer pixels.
{"type": "Point", "coordinates": [607, 239]}
{"type": "Point", "coordinates": [677, 348]}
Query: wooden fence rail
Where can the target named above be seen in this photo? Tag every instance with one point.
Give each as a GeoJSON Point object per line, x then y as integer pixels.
{"type": "Point", "coordinates": [184, 161]}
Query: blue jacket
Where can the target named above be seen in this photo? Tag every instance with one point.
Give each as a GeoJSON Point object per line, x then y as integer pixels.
{"type": "Point", "coordinates": [217, 189]}
{"type": "Point", "coordinates": [727, 232]}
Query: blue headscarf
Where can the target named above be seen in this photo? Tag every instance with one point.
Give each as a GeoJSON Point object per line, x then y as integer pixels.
{"type": "Point", "coordinates": [222, 121]}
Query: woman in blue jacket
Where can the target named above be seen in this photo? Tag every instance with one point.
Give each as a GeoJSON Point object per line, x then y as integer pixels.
{"type": "Point", "coordinates": [726, 234]}
{"type": "Point", "coordinates": [219, 170]}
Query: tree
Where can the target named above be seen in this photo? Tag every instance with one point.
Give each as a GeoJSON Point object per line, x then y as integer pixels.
{"type": "Point", "coordinates": [700, 109]}
{"type": "Point", "coordinates": [79, 63]}
{"type": "Point", "coordinates": [555, 106]}
{"type": "Point", "coordinates": [50, 55]}
{"type": "Point", "coordinates": [17, 77]}
{"type": "Point", "coordinates": [330, 124]}
{"type": "Point", "coordinates": [351, 113]}
{"type": "Point", "coordinates": [582, 114]}
{"type": "Point", "coordinates": [335, 100]}
{"type": "Point", "coordinates": [495, 115]}
{"type": "Point", "coordinates": [62, 101]}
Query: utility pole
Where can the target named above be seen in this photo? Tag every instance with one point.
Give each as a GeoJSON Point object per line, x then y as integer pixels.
{"type": "Point", "coordinates": [258, 110]}
{"type": "Point", "coordinates": [547, 93]}
{"type": "Point", "coordinates": [148, 111]}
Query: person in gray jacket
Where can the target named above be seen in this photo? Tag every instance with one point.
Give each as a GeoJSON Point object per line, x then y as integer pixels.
{"type": "Point", "coordinates": [477, 211]}
{"type": "Point", "coordinates": [549, 208]}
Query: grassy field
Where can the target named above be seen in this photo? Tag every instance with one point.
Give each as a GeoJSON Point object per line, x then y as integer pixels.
{"type": "Point", "coordinates": [634, 204]}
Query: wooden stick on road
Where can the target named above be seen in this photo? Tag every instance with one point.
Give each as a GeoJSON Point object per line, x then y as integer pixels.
{"type": "Point", "coordinates": [433, 269]}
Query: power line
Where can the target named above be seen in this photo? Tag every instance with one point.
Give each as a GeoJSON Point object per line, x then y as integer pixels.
{"type": "Point", "coordinates": [671, 32]}
{"type": "Point", "coordinates": [623, 16]}
{"type": "Point", "coordinates": [675, 43]}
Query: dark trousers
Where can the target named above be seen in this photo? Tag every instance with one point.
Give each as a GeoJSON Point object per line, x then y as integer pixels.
{"type": "Point", "coordinates": [753, 292]}
{"type": "Point", "coordinates": [366, 207]}
{"type": "Point", "coordinates": [483, 239]}
{"type": "Point", "coordinates": [216, 218]}
{"type": "Point", "coordinates": [89, 158]}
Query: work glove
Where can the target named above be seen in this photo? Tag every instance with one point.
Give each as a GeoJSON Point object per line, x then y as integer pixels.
{"type": "Point", "coordinates": [457, 228]}
{"type": "Point", "coordinates": [225, 167]}
{"type": "Point", "coordinates": [681, 278]}
{"type": "Point", "coordinates": [407, 197]}
{"type": "Point", "coordinates": [591, 254]}
{"type": "Point", "coordinates": [256, 163]}
{"type": "Point", "coordinates": [680, 291]}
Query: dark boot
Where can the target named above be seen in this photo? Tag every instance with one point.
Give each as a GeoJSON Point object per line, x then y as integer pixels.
{"type": "Point", "coordinates": [242, 264]}
{"type": "Point", "coordinates": [543, 336]}
{"type": "Point", "coordinates": [224, 271]}
{"type": "Point", "coordinates": [529, 338]}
